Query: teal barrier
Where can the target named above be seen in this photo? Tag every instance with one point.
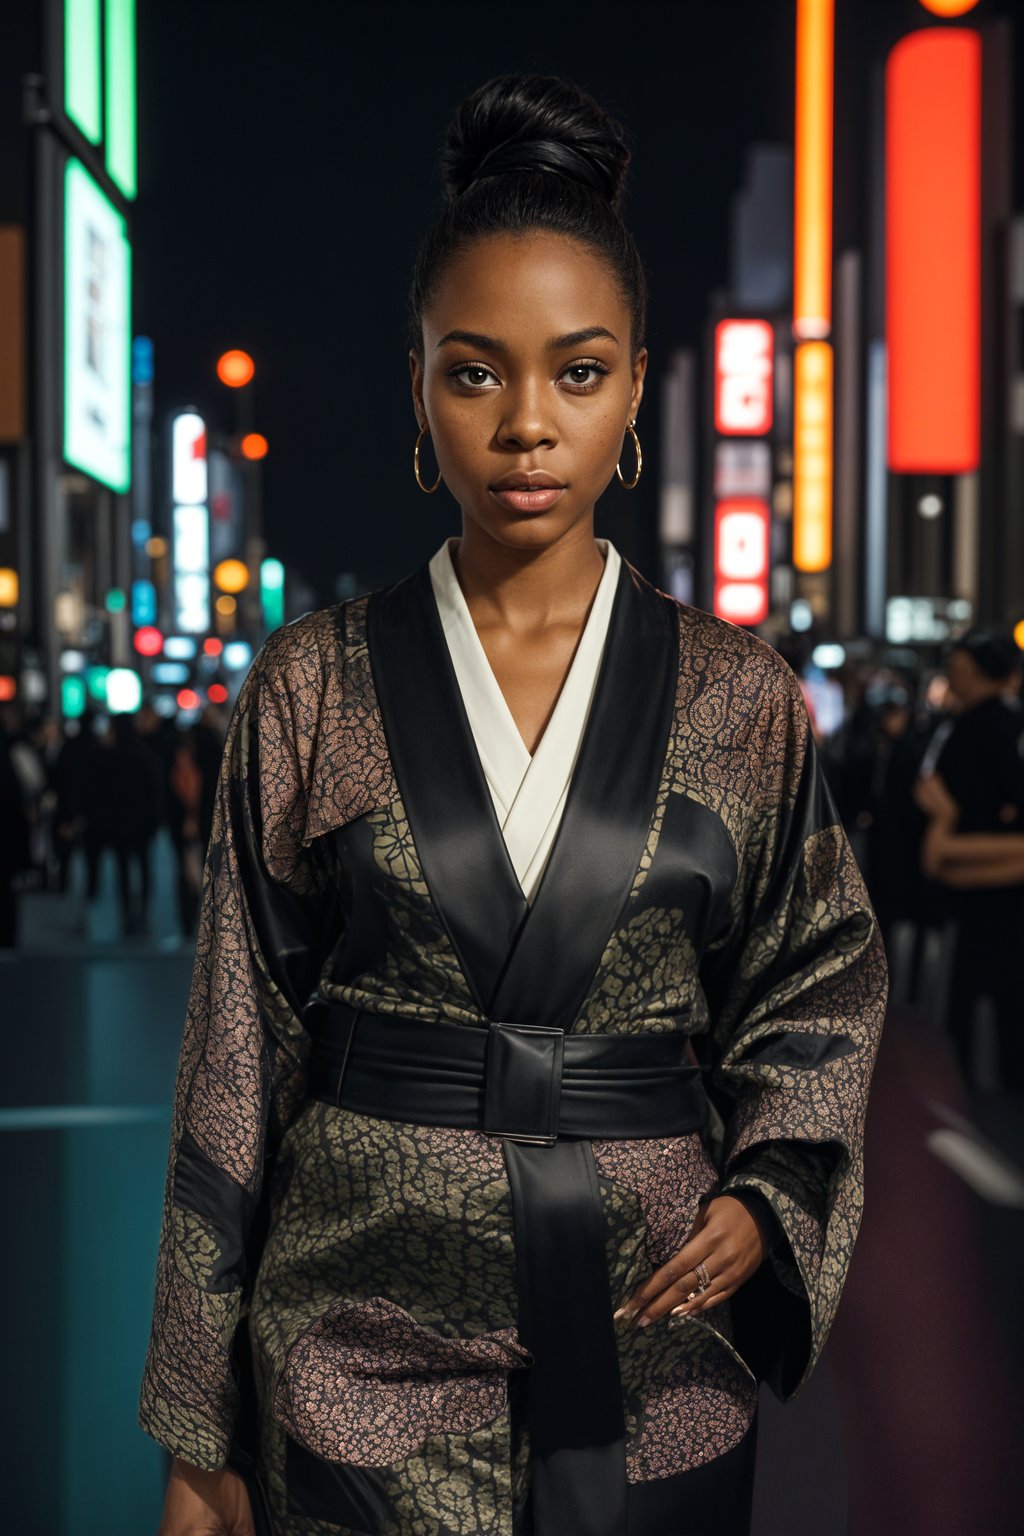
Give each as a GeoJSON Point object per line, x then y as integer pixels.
{"type": "Point", "coordinates": [84, 1127]}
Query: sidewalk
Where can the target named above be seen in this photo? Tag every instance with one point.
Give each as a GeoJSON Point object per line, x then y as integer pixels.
{"type": "Point", "coordinates": [50, 921]}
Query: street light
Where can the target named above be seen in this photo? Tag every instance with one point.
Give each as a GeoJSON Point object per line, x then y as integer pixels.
{"type": "Point", "coordinates": [232, 576]}
{"type": "Point", "coordinates": [235, 369]}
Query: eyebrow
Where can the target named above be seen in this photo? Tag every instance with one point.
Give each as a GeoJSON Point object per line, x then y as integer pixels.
{"type": "Point", "coordinates": [556, 344]}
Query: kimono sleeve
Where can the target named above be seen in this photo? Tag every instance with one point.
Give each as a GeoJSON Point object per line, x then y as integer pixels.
{"type": "Point", "coordinates": [797, 988]}
{"type": "Point", "coordinates": [241, 1066]}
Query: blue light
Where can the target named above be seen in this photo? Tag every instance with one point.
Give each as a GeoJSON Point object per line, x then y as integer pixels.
{"type": "Point", "coordinates": [142, 360]}
{"type": "Point", "coordinates": [166, 673]}
{"type": "Point", "coordinates": [141, 531]}
{"type": "Point", "coordinates": [143, 603]}
{"type": "Point", "coordinates": [179, 647]}
{"type": "Point", "coordinates": [237, 655]}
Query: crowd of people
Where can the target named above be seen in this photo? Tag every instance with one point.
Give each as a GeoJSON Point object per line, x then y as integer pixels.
{"type": "Point", "coordinates": [927, 771]}
{"type": "Point", "coordinates": [105, 783]}
{"type": "Point", "coordinates": [928, 776]}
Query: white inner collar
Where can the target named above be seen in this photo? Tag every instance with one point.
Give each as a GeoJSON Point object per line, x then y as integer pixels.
{"type": "Point", "coordinates": [528, 791]}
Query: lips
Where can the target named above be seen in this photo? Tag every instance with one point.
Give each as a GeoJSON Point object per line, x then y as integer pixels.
{"type": "Point", "coordinates": [528, 480]}
{"type": "Point", "coordinates": [527, 490]}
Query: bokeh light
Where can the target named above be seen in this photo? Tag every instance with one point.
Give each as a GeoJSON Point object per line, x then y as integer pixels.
{"type": "Point", "coordinates": [235, 369]}
{"type": "Point", "coordinates": [254, 446]}
{"type": "Point", "coordinates": [949, 7]}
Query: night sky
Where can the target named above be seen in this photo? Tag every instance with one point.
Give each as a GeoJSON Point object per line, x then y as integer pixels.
{"type": "Point", "coordinates": [288, 165]}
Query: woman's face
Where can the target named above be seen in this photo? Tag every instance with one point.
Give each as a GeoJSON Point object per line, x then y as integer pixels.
{"type": "Point", "coordinates": [526, 367]}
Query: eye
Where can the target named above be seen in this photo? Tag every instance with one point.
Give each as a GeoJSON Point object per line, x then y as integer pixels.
{"type": "Point", "coordinates": [584, 385]}
{"type": "Point", "coordinates": [469, 375]}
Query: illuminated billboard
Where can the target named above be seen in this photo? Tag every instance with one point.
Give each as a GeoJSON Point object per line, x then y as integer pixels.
{"type": "Point", "coordinates": [191, 524]}
{"type": "Point", "coordinates": [812, 180]}
{"type": "Point", "coordinates": [99, 82]}
{"type": "Point", "coordinates": [97, 332]}
{"type": "Point", "coordinates": [189, 479]}
{"type": "Point", "coordinates": [742, 560]}
{"type": "Point", "coordinates": [743, 377]}
{"type": "Point", "coordinates": [812, 456]}
{"type": "Point", "coordinates": [933, 174]}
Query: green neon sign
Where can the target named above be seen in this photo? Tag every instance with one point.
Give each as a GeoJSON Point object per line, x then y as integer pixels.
{"type": "Point", "coordinates": [120, 129]}
{"type": "Point", "coordinates": [82, 66]}
{"type": "Point", "coordinates": [100, 83]}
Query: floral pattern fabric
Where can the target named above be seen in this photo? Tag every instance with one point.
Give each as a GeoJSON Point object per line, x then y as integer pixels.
{"type": "Point", "coordinates": [340, 1287]}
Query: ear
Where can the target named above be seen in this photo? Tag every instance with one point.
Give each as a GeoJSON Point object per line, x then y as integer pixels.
{"type": "Point", "coordinates": [639, 373]}
{"type": "Point", "coordinates": [416, 370]}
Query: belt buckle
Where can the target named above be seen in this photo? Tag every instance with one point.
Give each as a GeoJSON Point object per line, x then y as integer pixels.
{"type": "Point", "coordinates": [523, 1082]}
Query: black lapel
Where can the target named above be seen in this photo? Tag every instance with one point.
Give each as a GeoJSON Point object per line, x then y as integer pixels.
{"type": "Point", "coordinates": [454, 826]}
{"type": "Point", "coordinates": [533, 964]}
{"type": "Point", "coordinates": [607, 814]}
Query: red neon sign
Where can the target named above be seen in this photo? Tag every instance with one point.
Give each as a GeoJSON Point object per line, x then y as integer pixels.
{"type": "Point", "coordinates": [741, 560]}
{"type": "Point", "coordinates": [933, 250]}
{"type": "Point", "coordinates": [743, 377]}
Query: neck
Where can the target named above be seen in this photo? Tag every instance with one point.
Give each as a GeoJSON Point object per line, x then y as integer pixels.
{"type": "Point", "coordinates": [528, 589]}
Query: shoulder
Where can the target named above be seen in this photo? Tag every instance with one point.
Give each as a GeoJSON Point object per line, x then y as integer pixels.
{"type": "Point", "coordinates": [308, 657]}
{"type": "Point", "coordinates": [312, 705]}
{"type": "Point", "coordinates": [735, 664]}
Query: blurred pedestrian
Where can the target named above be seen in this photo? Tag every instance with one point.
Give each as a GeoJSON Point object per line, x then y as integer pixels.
{"type": "Point", "coordinates": [978, 792]}
{"type": "Point", "coordinates": [77, 782]}
{"type": "Point", "coordinates": [135, 780]}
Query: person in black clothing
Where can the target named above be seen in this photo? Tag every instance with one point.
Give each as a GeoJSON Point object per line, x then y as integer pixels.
{"type": "Point", "coordinates": [981, 767]}
{"type": "Point", "coordinates": [137, 792]}
{"type": "Point", "coordinates": [84, 813]}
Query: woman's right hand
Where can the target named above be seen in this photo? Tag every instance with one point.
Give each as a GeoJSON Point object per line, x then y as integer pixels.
{"type": "Point", "coordinates": [202, 1503]}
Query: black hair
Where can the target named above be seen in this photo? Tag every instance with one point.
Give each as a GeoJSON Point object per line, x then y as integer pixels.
{"type": "Point", "coordinates": [530, 152]}
{"type": "Point", "coordinates": [993, 650]}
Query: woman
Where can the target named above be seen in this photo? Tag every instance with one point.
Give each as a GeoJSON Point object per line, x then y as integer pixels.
{"type": "Point", "coordinates": [537, 990]}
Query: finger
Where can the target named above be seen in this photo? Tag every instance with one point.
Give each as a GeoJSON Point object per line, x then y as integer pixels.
{"type": "Point", "coordinates": [679, 1291]}
{"type": "Point", "coordinates": [701, 1302]}
{"type": "Point", "coordinates": [678, 1266]}
{"type": "Point", "coordinates": [672, 1274]}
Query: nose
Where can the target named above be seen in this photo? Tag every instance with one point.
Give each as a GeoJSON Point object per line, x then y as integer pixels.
{"type": "Point", "coordinates": [527, 421]}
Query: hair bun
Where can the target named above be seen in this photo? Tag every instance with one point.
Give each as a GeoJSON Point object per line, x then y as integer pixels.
{"type": "Point", "coordinates": [535, 123]}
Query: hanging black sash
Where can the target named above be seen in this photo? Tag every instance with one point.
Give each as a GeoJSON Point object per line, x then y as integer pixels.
{"type": "Point", "coordinates": [533, 965]}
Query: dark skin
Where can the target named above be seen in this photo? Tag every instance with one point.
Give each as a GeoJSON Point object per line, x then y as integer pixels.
{"type": "Point", "coordinates": [529, 579]}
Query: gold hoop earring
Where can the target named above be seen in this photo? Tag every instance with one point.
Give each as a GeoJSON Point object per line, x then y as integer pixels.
{"type": "Point", "coordinates": [430, 489]}
{"type": "Point", "coordinates": [629, 484]}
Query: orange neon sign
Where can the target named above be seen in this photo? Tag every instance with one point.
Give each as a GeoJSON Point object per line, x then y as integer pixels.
{"type": "Point", "coordinates": [933, 250]}
{"type": "Point", "coordinates": [812, 188]}
{"type": "Point", "coordinates": [812, 456]}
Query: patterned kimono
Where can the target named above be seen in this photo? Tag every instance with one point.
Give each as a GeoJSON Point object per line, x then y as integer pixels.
{"type": "Point", "coordinates": [336, 1298]}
